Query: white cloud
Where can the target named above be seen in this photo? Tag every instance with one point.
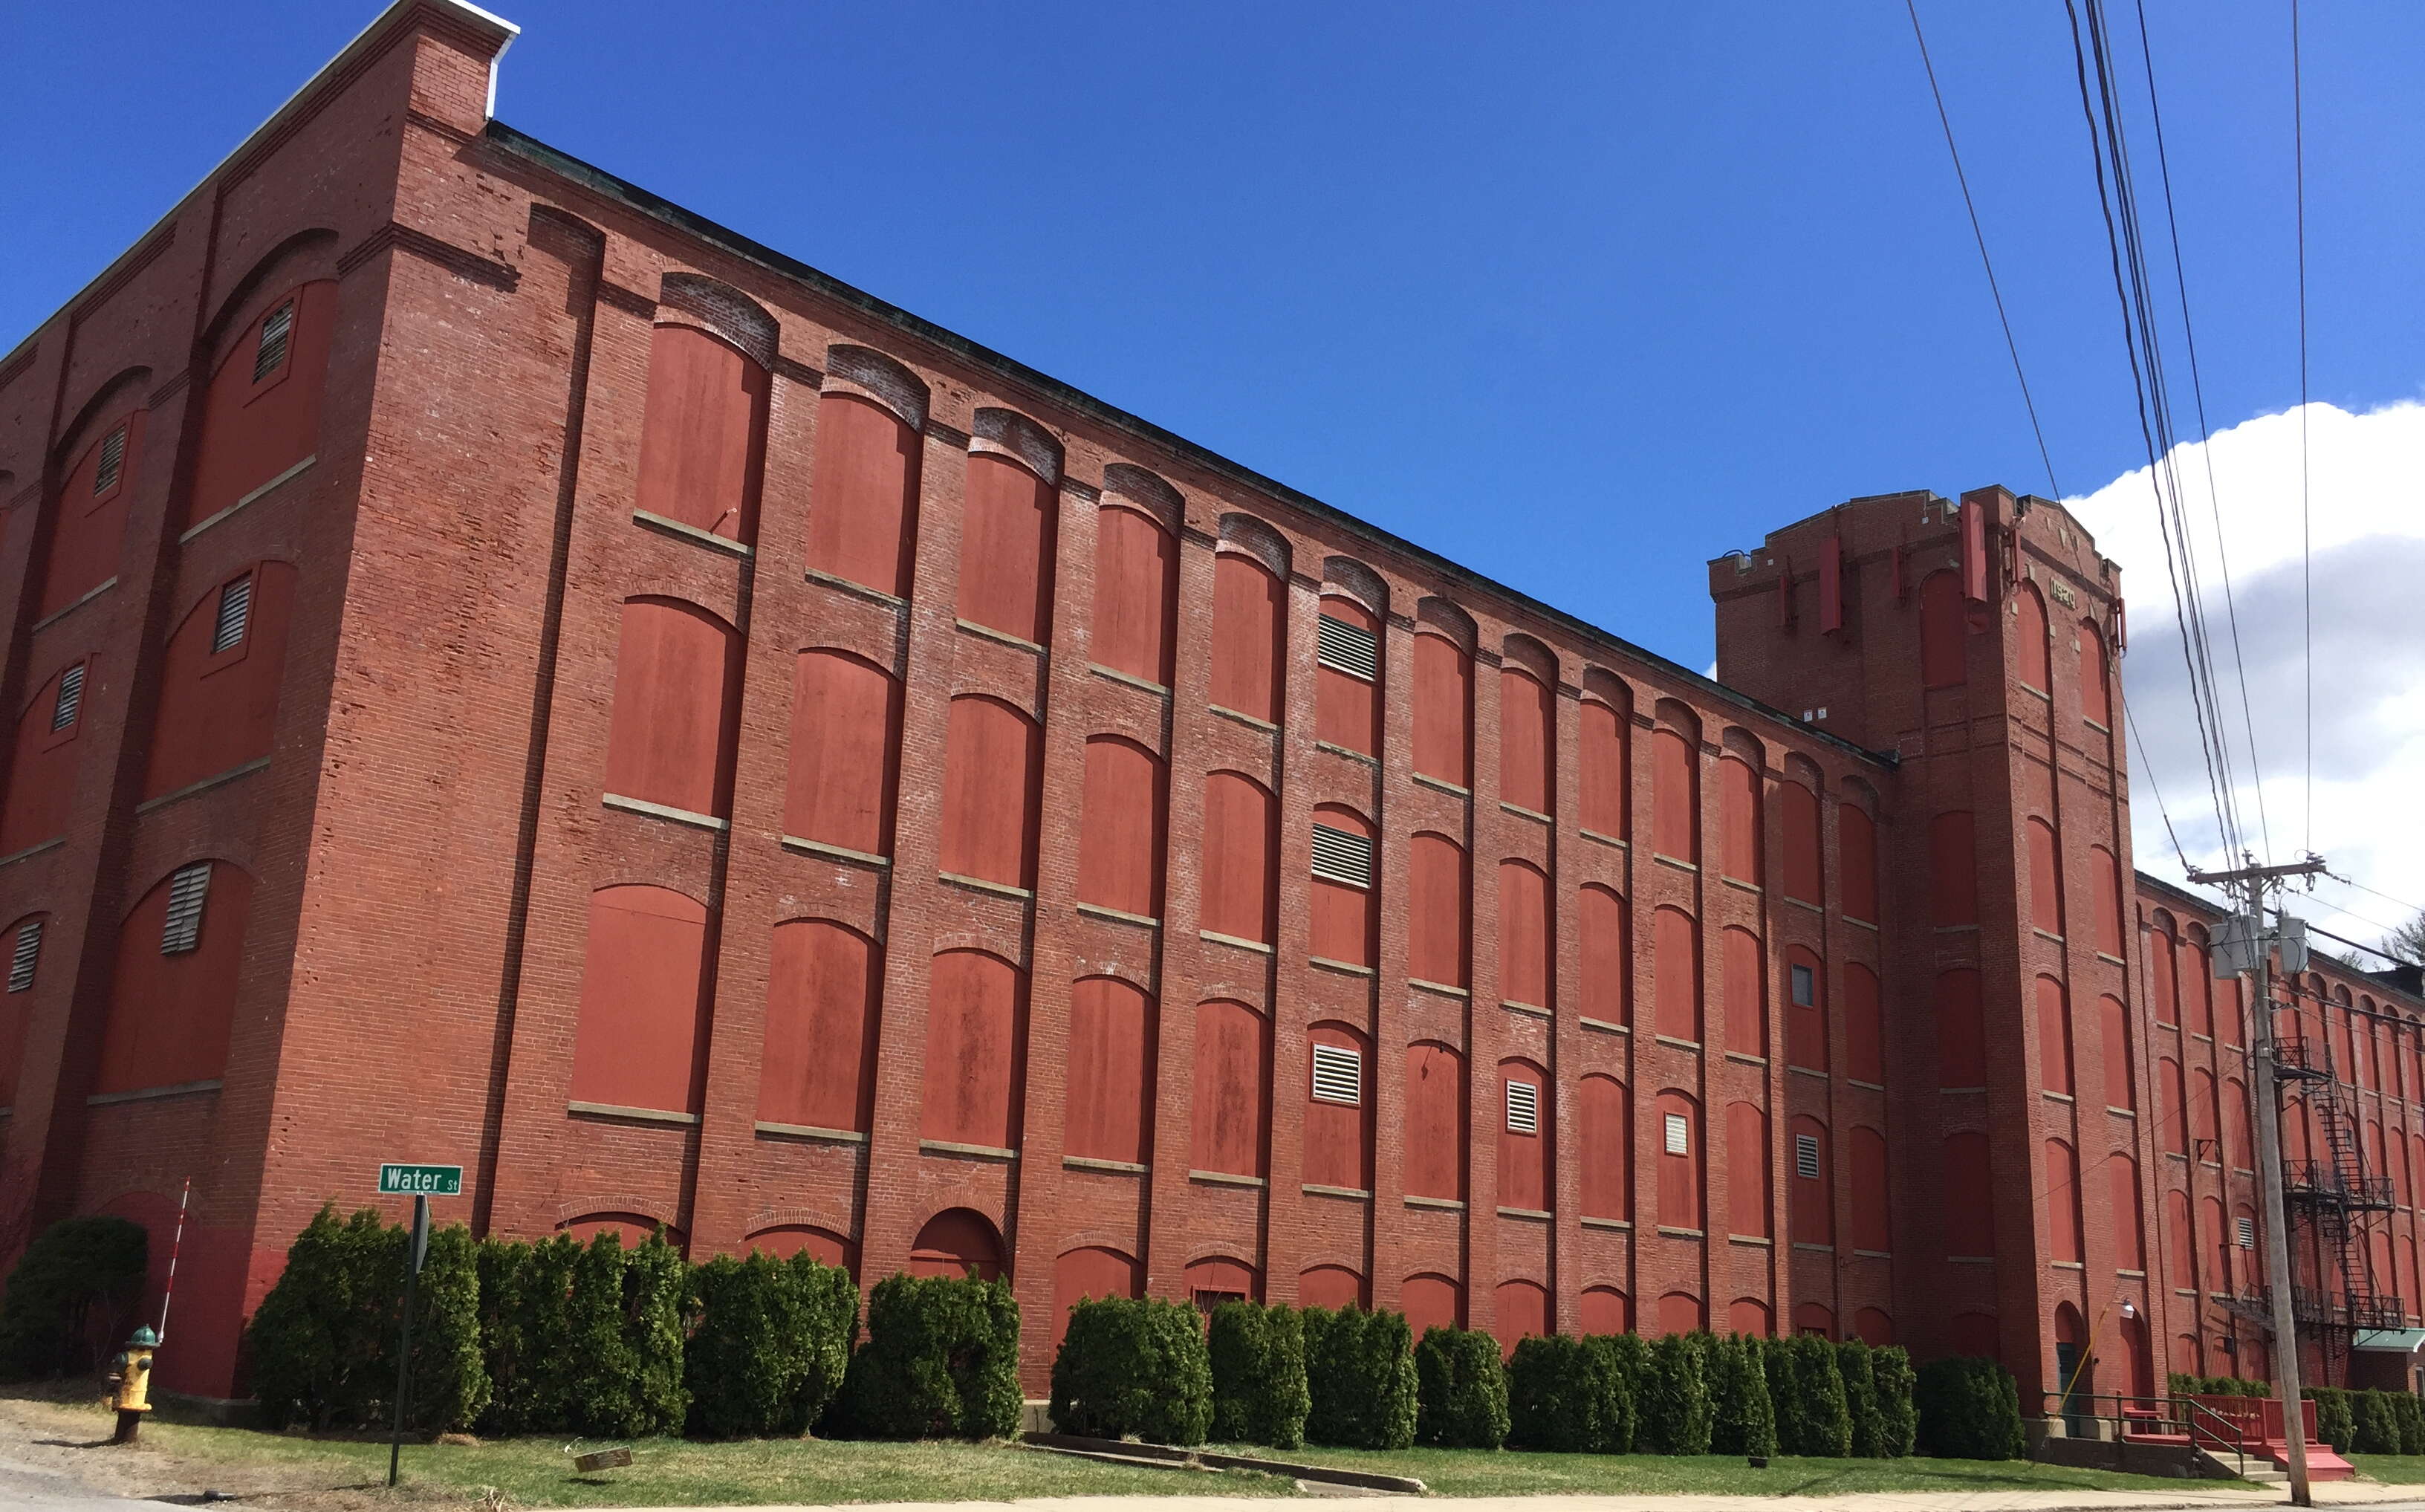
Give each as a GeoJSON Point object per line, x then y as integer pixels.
{"type": "Point", "coordinates": [2367, 559]}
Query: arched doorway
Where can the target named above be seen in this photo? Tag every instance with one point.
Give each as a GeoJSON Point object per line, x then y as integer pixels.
{"type": "Point", "coordinates": [957, 1242]}
{"type": "Point", "coordinates": [2139, 1351]}
{"type": "Point", "coordinates": [2075, 1371]}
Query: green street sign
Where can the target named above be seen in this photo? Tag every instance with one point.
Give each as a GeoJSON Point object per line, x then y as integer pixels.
{"type": "Point", "coordinates": [420, 1181]}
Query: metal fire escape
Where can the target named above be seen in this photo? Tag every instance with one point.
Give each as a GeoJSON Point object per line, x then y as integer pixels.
{"type": "Point", "coordinates": [2333, 1196]}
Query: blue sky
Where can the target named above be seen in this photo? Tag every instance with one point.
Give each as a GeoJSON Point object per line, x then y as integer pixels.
{"type": "Point", "coordinates": [1582, 296]}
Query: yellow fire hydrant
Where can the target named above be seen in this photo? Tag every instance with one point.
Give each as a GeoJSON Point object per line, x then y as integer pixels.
{"type": "Point", "coordinates": [130, 1383]}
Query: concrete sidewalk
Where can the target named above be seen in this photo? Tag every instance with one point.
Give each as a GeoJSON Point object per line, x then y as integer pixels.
{"type": "Point", "coordinates": [2192, 1494]}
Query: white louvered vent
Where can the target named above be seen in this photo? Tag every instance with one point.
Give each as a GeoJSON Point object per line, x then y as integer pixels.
{"type": "Point", "coordinates": [1679, 1134]}
{"type": "Point", "coordinates": [1338, 1075]}
{"type": "Point", "coordinates": [2246, 1228]}
{"type": "Point", "coordinates": [71, 699]}
{"type": "Point", "coordinates": [1349, 649]}
{"type": "Point", "coordinates": [187, 888]}
{"type": "Point", "coordinates": [271, 353]}
{"type": "Point", "coordinates": [1806, 1156]}
{"type": "Point", "coordinates": [113, 459]}
{"type": "Point", "coordinates": [1340, 857]}
{"type": "Point", "coordinates": [235, 613]}
{"type": "Point", "coordinates": [1523, 1108]}
{"type": "Point", "coordinates": [27, 955]}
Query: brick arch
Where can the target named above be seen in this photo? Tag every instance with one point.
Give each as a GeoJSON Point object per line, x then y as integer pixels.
{"type": "Point", "coordinates": [1520, 650]}
{"type": "Point", "coordinates": [953, 1226]}
{"type": "Point", "coordinates": [1259, 539]}
{"type": "Point", "coordinates": [878, 645]}
{"type": "Point", "coordinates": [1008, 433]}
{"type": "Point", "coordinates": [311, 253]}
{"type": "Point", "coordinates": [1122, 968]}
{"type": "Point", "coordinates": [122, 390]}
{"type": "Point", "coordinates": [593, 1204]}
{"type": "Point", "coordinates": [1443, 617]}
{"type": "Point", "coordinates": [216, 710]}
{"type": "Point", "coordinates": [1345, 574]}
{"type": "Point", "coordinates": [801, 1216]}
{"type": "Point", "coordinates": [877, 378]}
{"type": "Point", "coordinates": [1146, 491]}
{"type": "Point", "coordinates": [721, 311]}
{"type": "Point", "coordinates": [1601, 684]}
{"type": "Point", "coordinates": [1126, 1242]}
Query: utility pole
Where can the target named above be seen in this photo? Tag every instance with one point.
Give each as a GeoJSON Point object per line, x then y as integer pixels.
{"type": "Point", "coordinates": [2258, 940]}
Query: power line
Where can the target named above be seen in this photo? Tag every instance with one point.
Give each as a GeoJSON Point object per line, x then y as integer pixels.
{"type": "Point", "coordinates": [2131, 722]}
{"type": "Point", "coordinates": [1981, 236]}
{"type": "Point", "coordinates": [2307, 574]}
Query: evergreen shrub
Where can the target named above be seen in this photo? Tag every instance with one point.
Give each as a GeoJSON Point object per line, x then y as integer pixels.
{"type": "Point", "coordinates": [1359, 1367]}
{"type": "Point", "coordinates": [1673, 1409]}
{"type": "Point", "coordinates": [1967, 1407]}
{"type": "Point", "coordinates": [1743, 1416]}
{"type": "Point", "coordinates": [1891, 1377]}
{"type": "Point", "coordinates": [1867, 1426]}
{"type": "Point", "coordinates": [1462, 1390]}
{"type": "Point", "coordinates": [1563, 1395]}
{"type": "Point", "coordinates": [1134, 1368]}
{"type": "Point", "coordinates": [1256, 1354]}
{"type": "Point", "coordinates": [72, 1297]}
{"type": "Point", "coordinates": [941, 1362]}
{"type": "Point", "coordinates": [768, 1342]}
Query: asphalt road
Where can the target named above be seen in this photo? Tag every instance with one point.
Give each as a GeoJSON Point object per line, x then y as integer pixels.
{"type": "Point", "coordinates": [33, 1486]}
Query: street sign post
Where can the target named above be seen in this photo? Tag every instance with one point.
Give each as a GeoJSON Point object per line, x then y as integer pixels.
{"type": "Point", "coordinates": [422, 1181]}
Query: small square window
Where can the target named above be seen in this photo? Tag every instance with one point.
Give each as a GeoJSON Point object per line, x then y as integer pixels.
{"type": "Point", "coordinates": [69, 701]}
{"type": "Point", "coordinates": [1806, 1156]}
{"type": "Point", "coordinates": [1679, 1134]}
{"type": "Point", "coordinates": [1338, 1075]}
{"type": "Point", "coordinates": [1523, 1108]}
{"type": "Point", "coordinates": [1804, 984]}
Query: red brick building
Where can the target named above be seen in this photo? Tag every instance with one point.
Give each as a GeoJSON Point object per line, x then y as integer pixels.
{"type": "Point", "coordinates": [512, 673]}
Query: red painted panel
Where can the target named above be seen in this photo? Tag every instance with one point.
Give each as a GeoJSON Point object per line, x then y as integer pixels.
{"type": "Point", "coordinates": [845, 738]}
{"type": "Point", "coordinates": [219, 710]}
{"type": "Point", "coordinates": [1439, 916]}
{"type": "Point", "coordinates": [993, 765]}
{"type": "Point", "coordinates": [1430, 1302]}
{"type": "Point", "coordinates": [2172, 1112]}
{"type": "Point", "coordinates": [1739, 809]}
{"type": "Point", "coordinates": [1345, 919]}
{"type": "Point", "coordinates": [641, 1035]}
{"type": "Point", "coordinates": [1952, 870]}
{"type": "Point", "coordinates": [2030, 640]}
{"type": "Point", "coordinates": [2062, 1202]}
{"type": "Point", "coordinates": [2180, 1251]}
{"type": "Point", "coordinates": [1806, 1024]}
{"type": "Point", "coordinates": [1857, 837]}
{"type": "Point", "coordinates": [2162, 986]}
{"type": "Point", "coordinates": [1831, 584]}
{"type": "Point", "coordinates": [1676, 829]}
{"type": "Point", "coordinates": [1872, 1218]}
{"type": "Point", "coordinates": [1810, 1201]}
{"type": "Point", "coordinates": [1969, 1213]}
{"type": "Point", "coordinates": [1605, 940]}
{"type": "Point", "coordinates": [822, 1245]}
{"type": "Point", "coordinates": [958, 1242]}
{"type": "Point", "coordinates": [823, 984]}
{"type": "Point", "coordinates": [2096, 692]}
{"type": "Point", "coordinates": [1524, 969]}
{"type": "Point", "coordinates": [1804, 874]}
{"type": "Point", "coordinates": [1814, 1319]}
{"type": "Point", "coordinates": [1443, 745]}
{"type": "Point", "coordinates": [1241, 856]}
{"type": "Point", "coordinates": [1435, 1130]}
{"type": "Point", "coordinates": [1248, 657]}
{"type": "Point", "coordinates": [1749, 1316]}
{"type": "Point", "coordinates": [41, 779]}
{"type": "Point", "coordinates": [1233, 1057]}
{"type": "Point", "coordinates": [1961, 1030]}
{"type": "Point", "coordinates": [1347, 709]}
{"type": "Point", "coordinates": [1330, 1286]}
{"type": "Point", "coordinates": [1976, 1334]}
{"type": "Point", "coordinates": [2128, 1218]}
{"type": "Point", "coordinates": [1225, 1277]}
{"type": "Point", "coordinates": [2054, 1036]}
{"type": "Point", "coordinates": [1091, 1273]}
{"type": "Point", "coordinates": [1681, 1313]}
{"type": "Point", "coordinates": [1522, 1310]}
{"type": "Point", "coordinates": [1681, 1204]}
{"type": "Point", "coordinates": [1675, 987]}
{"type": "Point", "coordinates": [1873, 1327]}
{"type": "Point", "coordinates": [1747, 1171]}
{"type": "Point", "coordinates": [1110, 1077]}
{"type": "Point", "coordinates": [864, 494]}
{"type": "Point", "coordinates": [1136, 594]}
{"type": "Point", "coordinates": [1605, 1146]}
{"type": "Point", "coordinates": [1339, 1136]}
{"type": "Point", "coordinates": [1743, 993]}
{"type": "Point", "coordinates": [2197, 983]}
{"type": "Point", "coordinates": [1527, 741]}
{"type": "Point", "coordinates": [674, 674]}
{"type": "Point", "coordinates": [1604, 1310]}
{"type": "Point", "coordinates": [631, 1229]}
{"type": "Point", "coordinates": [1123, 828]}
{"type": "Point", "coordinates": [251, 431]}
{"type": "Point", "coordinates": [87, 529]}
{"type": "Point", "coordinates": [976, 1050]}
{"type": "Point", "coordinates": [169, 1016]}
{"type": "Point", "coordinates": [703, 443]}
{"type": "Point", "coordinates": [1525, 1158]}
{"type": "Point", "coordinates": [1974, 551]}
{"type": "Point", "coordinates": [2113, 1044]}
{"type": "Point", "coordinates": [1864, 1026]}
{"type": "Point", "coordinates": [16, 1010]}
{"type": "Point", "coordinates": [1607, 738]}
{"type": "Point", "coordinates": [1006, 534]}
{"type": "Point", "coordinates": [2235, 1118]}
{"type": "Point", "coordinates": [1942, 627]}
{"type": "Point", "coordinates": [2106, 874]}
{"type": "Point", "coordinates": [2202, 1114]}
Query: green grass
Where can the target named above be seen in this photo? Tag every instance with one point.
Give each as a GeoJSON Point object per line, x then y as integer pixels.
{"type": "Point", "coordinates": [1510, 1472]}
{"type": "Point", "coordinates": [2399, 1469]}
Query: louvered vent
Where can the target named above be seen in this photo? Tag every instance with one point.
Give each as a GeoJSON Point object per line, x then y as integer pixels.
{"type": "Point", "coordinates": [113, 457]}
{"type": "Point", "coordinates": [71, 700]}
{"type": "Point", "coordinates": [1806, 1156]}
{"type": "Point", "coordinates": [1679, 1134]}
{"type": "Point", "coordinates": [235, 612]}
{"type": "Point", "coordinates": [1340, 857]}
{"type": "Point", "coordinates": [187, 888]}
{"type": "Point", "coordinates": [1338, 1075]}
{"type": "Point", "coordinates": [2247, 1232]}
{"type": "Point", "coordinates": [27, 954]}
{"type": "Point", "coordinates": [271, 353]}
{"type": "Point", "coordinates": [1349, 649]}
{"type": "Point", "coordinates": [1523, 1108]}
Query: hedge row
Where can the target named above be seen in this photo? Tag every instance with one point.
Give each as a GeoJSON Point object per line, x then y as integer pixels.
{"type": "Point", "coordinates": [2369, 1422]}
{"type": "Point", "coordinates": [1279, 1376]}
{"type": "Point", "coordinates": [71, 1298]}
{"type": "Point", "coordinates": [599, 1340]}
